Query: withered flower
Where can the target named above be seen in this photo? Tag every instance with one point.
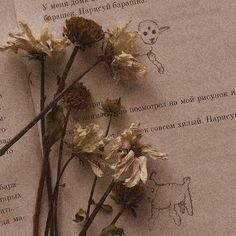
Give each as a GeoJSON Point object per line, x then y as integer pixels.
{"type": "Point", "coordinates": [128, 196]}
{"type": "Point", "coordinates": [36, 47]}
{"type": "Point", "coordinates": [78, 97]}
{"type": "Point", "coordinates": [125, 68]}
{"type": "Point", "coordinates": [83, 32]}
{"type": "Point", "coordinates": [120, 53]}
{"type": "Point", "coordinates": [121, 40]}
{"type": "Point", "coordinates": [112, 107]}
{"type": "Point", "coordinates": [131, 166]}
{"type": "Point", "coordinates": [88, 144]}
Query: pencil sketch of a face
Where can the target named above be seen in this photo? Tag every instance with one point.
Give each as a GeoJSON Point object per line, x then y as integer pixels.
{"type": "Point", "coordinates": [149, 32]}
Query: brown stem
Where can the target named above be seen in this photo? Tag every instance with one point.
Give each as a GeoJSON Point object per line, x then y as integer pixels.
{"type": "Point", "coordinates": [108, 127]}
{"type": "Point", "coordinates": [59, 170]}
{"type": "Point", "coordinates": [42, 96]}
{"type": "Point", "coordinates": [96, 210]}
{"type": "Point", "coordinates": [117, 217]}
{"type": "Point", "coordinates": [43, 129]}
{"type": "Point", "coordinates": [44, 170]}
{"type": "Point", "coordinates": [46, 109]}
{"type": "Point", "coordinates": [50, 212]}
{"type": "Point", "coordinates": [62, 82]}
{"type": "Point", "coordinates": [90, 201]}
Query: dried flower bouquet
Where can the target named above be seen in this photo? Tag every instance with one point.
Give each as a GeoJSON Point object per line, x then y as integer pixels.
{"type": "Point", "coordinates": [122, 159]}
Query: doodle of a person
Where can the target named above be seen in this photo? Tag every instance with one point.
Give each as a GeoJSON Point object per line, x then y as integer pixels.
{"type": "Point", "coordinates": [149, 32]}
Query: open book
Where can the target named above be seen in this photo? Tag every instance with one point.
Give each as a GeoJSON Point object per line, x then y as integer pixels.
{"type": "Point", "coordinates": [185, 104]}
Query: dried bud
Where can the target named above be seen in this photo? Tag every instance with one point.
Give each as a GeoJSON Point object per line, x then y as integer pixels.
{"type": "Point", "coordinates": [112, 107]}
{"type": "Point", "coordinates": [78, 97]}
{"type": "Point", "coordinates": [83, 32]}
{"type": "Point", "coordinates": [128, 196]}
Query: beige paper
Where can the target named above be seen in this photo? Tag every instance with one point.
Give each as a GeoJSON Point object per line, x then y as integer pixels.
{"type": "Point", "coordinates": [188, 111]}
{"type": "Point", "coordinates": [19, 171]}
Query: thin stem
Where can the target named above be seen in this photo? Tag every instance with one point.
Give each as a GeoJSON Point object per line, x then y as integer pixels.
{"type": "Point", "coordinates": [42, 96]}
{"type": "Point", "coordinates": [62, 82]}
{"type": "Point", "coordinates": [43, 129]}
{"type": "Point", "coordinates": [108, 127]}
{"type": "Point", "coordinates": [46, 109]}
{"type": "Point", "coordinates": [90, 201]}
{"type": "Point", "coordinates": [97, 209]}
{"type": "Point", "coordinates": [37, 211]}
{"type": "Point", "coordinates": [117, 217]}
{"type": "Point", "coordinates": [59, 170]}
{"type": "Point", "coordinates": [54, 194]}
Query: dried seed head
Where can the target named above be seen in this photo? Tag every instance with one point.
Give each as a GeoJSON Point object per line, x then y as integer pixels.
{"type": "Point", "coordinates": [78, 97]}
{"type": "Point", "coordinates": [83, 32]}
{"type": "Point", "coordinates": [128, 196]}
{"type": "Point", "coordinates": [112, 107]}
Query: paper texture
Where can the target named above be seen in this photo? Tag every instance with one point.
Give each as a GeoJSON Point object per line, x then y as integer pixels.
{"type": "Point", "coordinates": [19, 171]}
{"type": "Point", "coordinates": [186, 105]}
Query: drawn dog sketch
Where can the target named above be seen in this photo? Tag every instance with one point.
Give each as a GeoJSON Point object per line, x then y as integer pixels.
{"type": "Point", "coordinates": [171, 197]}
{"type": "Point", "coordinates": [149, 32]}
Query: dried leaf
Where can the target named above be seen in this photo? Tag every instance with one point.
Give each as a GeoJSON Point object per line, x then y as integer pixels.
{"type": "Point", "coordinates": [107, 208]}
{"type": "Point", "coordinates": [112, 230]}
{"type": "Point", "coordinates": [133, 212]}
{"type": "Point", "coordinates": [78, 218]}
{"type": "Point", "coordinates": [55, 124]}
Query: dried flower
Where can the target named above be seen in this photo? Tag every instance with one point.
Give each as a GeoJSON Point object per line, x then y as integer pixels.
{"type": "Point", "coordinates": [121, 40]}
{"type": "Point", "coordinates": [88, 144]}
{"type": "Point", "coordinates": [121, 55]}
{"type": "Point", "coordinates": [125, 67]}
{"type": "Point", "coordinates": [128, 196]}
{"type": "Point", "coordinates": [83, 32]}
{"type": "Point", "coordinates": [112, 107]}
{"type": "Point", "coordinates": [132, 157]}
{"type": "Point", "coordinates": [36, 47]}
{"type": "Point", "coordinates": [78, 97]}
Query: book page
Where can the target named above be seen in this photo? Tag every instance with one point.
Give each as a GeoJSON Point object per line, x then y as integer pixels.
{"type": "Point", "coordinates": [19, 169]}
{"type": "Point", "coordinates": [185, 104]}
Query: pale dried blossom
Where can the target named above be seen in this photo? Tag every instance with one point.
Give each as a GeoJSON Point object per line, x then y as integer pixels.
{"type": "Point", "coordinates": [131, 166]}
{"type": "Point", "coordinates": [121, 40]}
{"type": "Point", "coordinates": [83, 32]}
{"type": "Point", "coordinates": [121, 54]}
{"type": "Point", "coordinates": [88, 144]}
{"type": "Point", "coordinates": [36, 46]}
{"type": "Point", "coordinates": [125, 67]}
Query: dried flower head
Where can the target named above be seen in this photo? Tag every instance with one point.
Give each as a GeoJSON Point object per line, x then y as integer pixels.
{"type": "Point", "coordinates": [121, 55]}
{"type": "Point", "coordinates": [112, 107]}
{"type": "Point", "coordinates": [78, 97]}
{"type": "Point", "coordinates": [125, 68]}
{"type": "Point", "coordinates": [83, 32]}
{"type": "Point", "coordinates": [128, 196]}
{"type": "Point", "coordinates": [88, 144]}
{"type": "Point", "coordinates": [121, 40]}
{"type": "Point", "coordinates": [36, 47]}
{"type": "Point", "coordinates": [132, 157]}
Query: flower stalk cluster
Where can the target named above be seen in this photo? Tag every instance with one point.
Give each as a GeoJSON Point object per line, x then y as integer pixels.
{"type": "Point", "coordinates": [122, 159]}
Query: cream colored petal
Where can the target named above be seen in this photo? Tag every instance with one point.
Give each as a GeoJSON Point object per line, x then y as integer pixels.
{"type": "Point", "coordinates": [27, 31]}
{"type": "Point", "coordinates": [135, 176]}
{"type": "Point", "coordinates": [123, 166]}
{"type": "Point", "coordinates": [143, 168]}
{"type": "Point", "coordinates": [154, 154]}
{"type": "Point", "coordinates": [44, 33]}
{"type": "Point", "coordinates": [96, 169]}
